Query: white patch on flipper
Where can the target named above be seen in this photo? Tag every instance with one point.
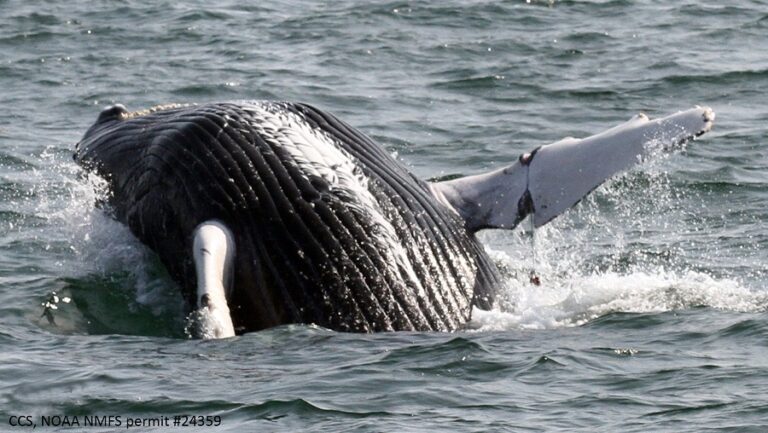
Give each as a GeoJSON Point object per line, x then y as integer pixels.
{"type": "Point", "coordinates": [213, 252]}
{"type": "Point", "coordinates": [318, 154]}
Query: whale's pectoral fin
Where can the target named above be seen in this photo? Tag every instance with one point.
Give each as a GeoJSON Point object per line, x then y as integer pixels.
{"type": "Point", "coordinates": [554, 177]}
{"type": "Point", "coordinates": [214, 250]}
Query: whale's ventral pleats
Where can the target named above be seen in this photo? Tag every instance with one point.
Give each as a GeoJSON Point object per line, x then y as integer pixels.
{"type": "Point", "coordinates": [328, 227]}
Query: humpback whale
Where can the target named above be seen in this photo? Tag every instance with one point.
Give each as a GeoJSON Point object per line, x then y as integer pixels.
{"type": "Point", "coordinates": [269, 213]}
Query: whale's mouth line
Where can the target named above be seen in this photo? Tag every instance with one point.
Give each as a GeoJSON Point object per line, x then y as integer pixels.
{"type": "Point", "coordinates": [153, 109]}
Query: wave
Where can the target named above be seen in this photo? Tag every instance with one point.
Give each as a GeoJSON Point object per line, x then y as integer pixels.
{"type": "Point", "coordinates": [476, 82]}
{"type": "Point", "coordinates": [574, 300]}
{"type": "Point", "coordinates": [723, 78]}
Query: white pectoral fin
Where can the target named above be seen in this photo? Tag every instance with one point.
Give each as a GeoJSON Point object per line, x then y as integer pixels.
{"type": "Point", "coordinates": [214, 250]}
{"type": "Point", "coordinates": [491, 200]}
{"type": "Point", "coordinates": [554, 177]}
{"type": "Point", "coordinates": [562, 173]}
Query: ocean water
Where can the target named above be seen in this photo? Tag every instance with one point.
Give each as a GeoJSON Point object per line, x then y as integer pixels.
{"type": "Point", "coordinates": [652, 312]}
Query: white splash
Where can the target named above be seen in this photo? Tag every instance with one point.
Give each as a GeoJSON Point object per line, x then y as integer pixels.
{"type": "Point", "coordinates": [83, 239]}
{"type": "Point", "coordinates": [628, 248]}
{"type": "Point", "coordinates": [573, 300]}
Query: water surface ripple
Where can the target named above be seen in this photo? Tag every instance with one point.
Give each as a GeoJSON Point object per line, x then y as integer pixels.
{"type": "Point", "coordinates": [653, 309]}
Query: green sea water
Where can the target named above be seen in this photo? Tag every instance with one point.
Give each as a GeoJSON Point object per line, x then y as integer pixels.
{"type": "Point", "coordinates": [652, 312]}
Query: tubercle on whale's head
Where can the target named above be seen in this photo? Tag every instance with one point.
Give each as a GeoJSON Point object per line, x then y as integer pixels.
{"type": "Point", "coordinates": [154, 109]}
{"type": "Point", "coordinates": [119, 112]}
{"type": "Point", "coordinates": [111, 116]}
{"type": "Point", "coordinates": [107, 118]}
{"type": "Point", "coordinates": [113, 112]}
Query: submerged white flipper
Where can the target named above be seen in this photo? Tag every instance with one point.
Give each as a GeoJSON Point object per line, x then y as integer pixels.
{"type": "Point", "coordinates": [214, 250]}
{"type": "Point", "coordinates": [554, 177]}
